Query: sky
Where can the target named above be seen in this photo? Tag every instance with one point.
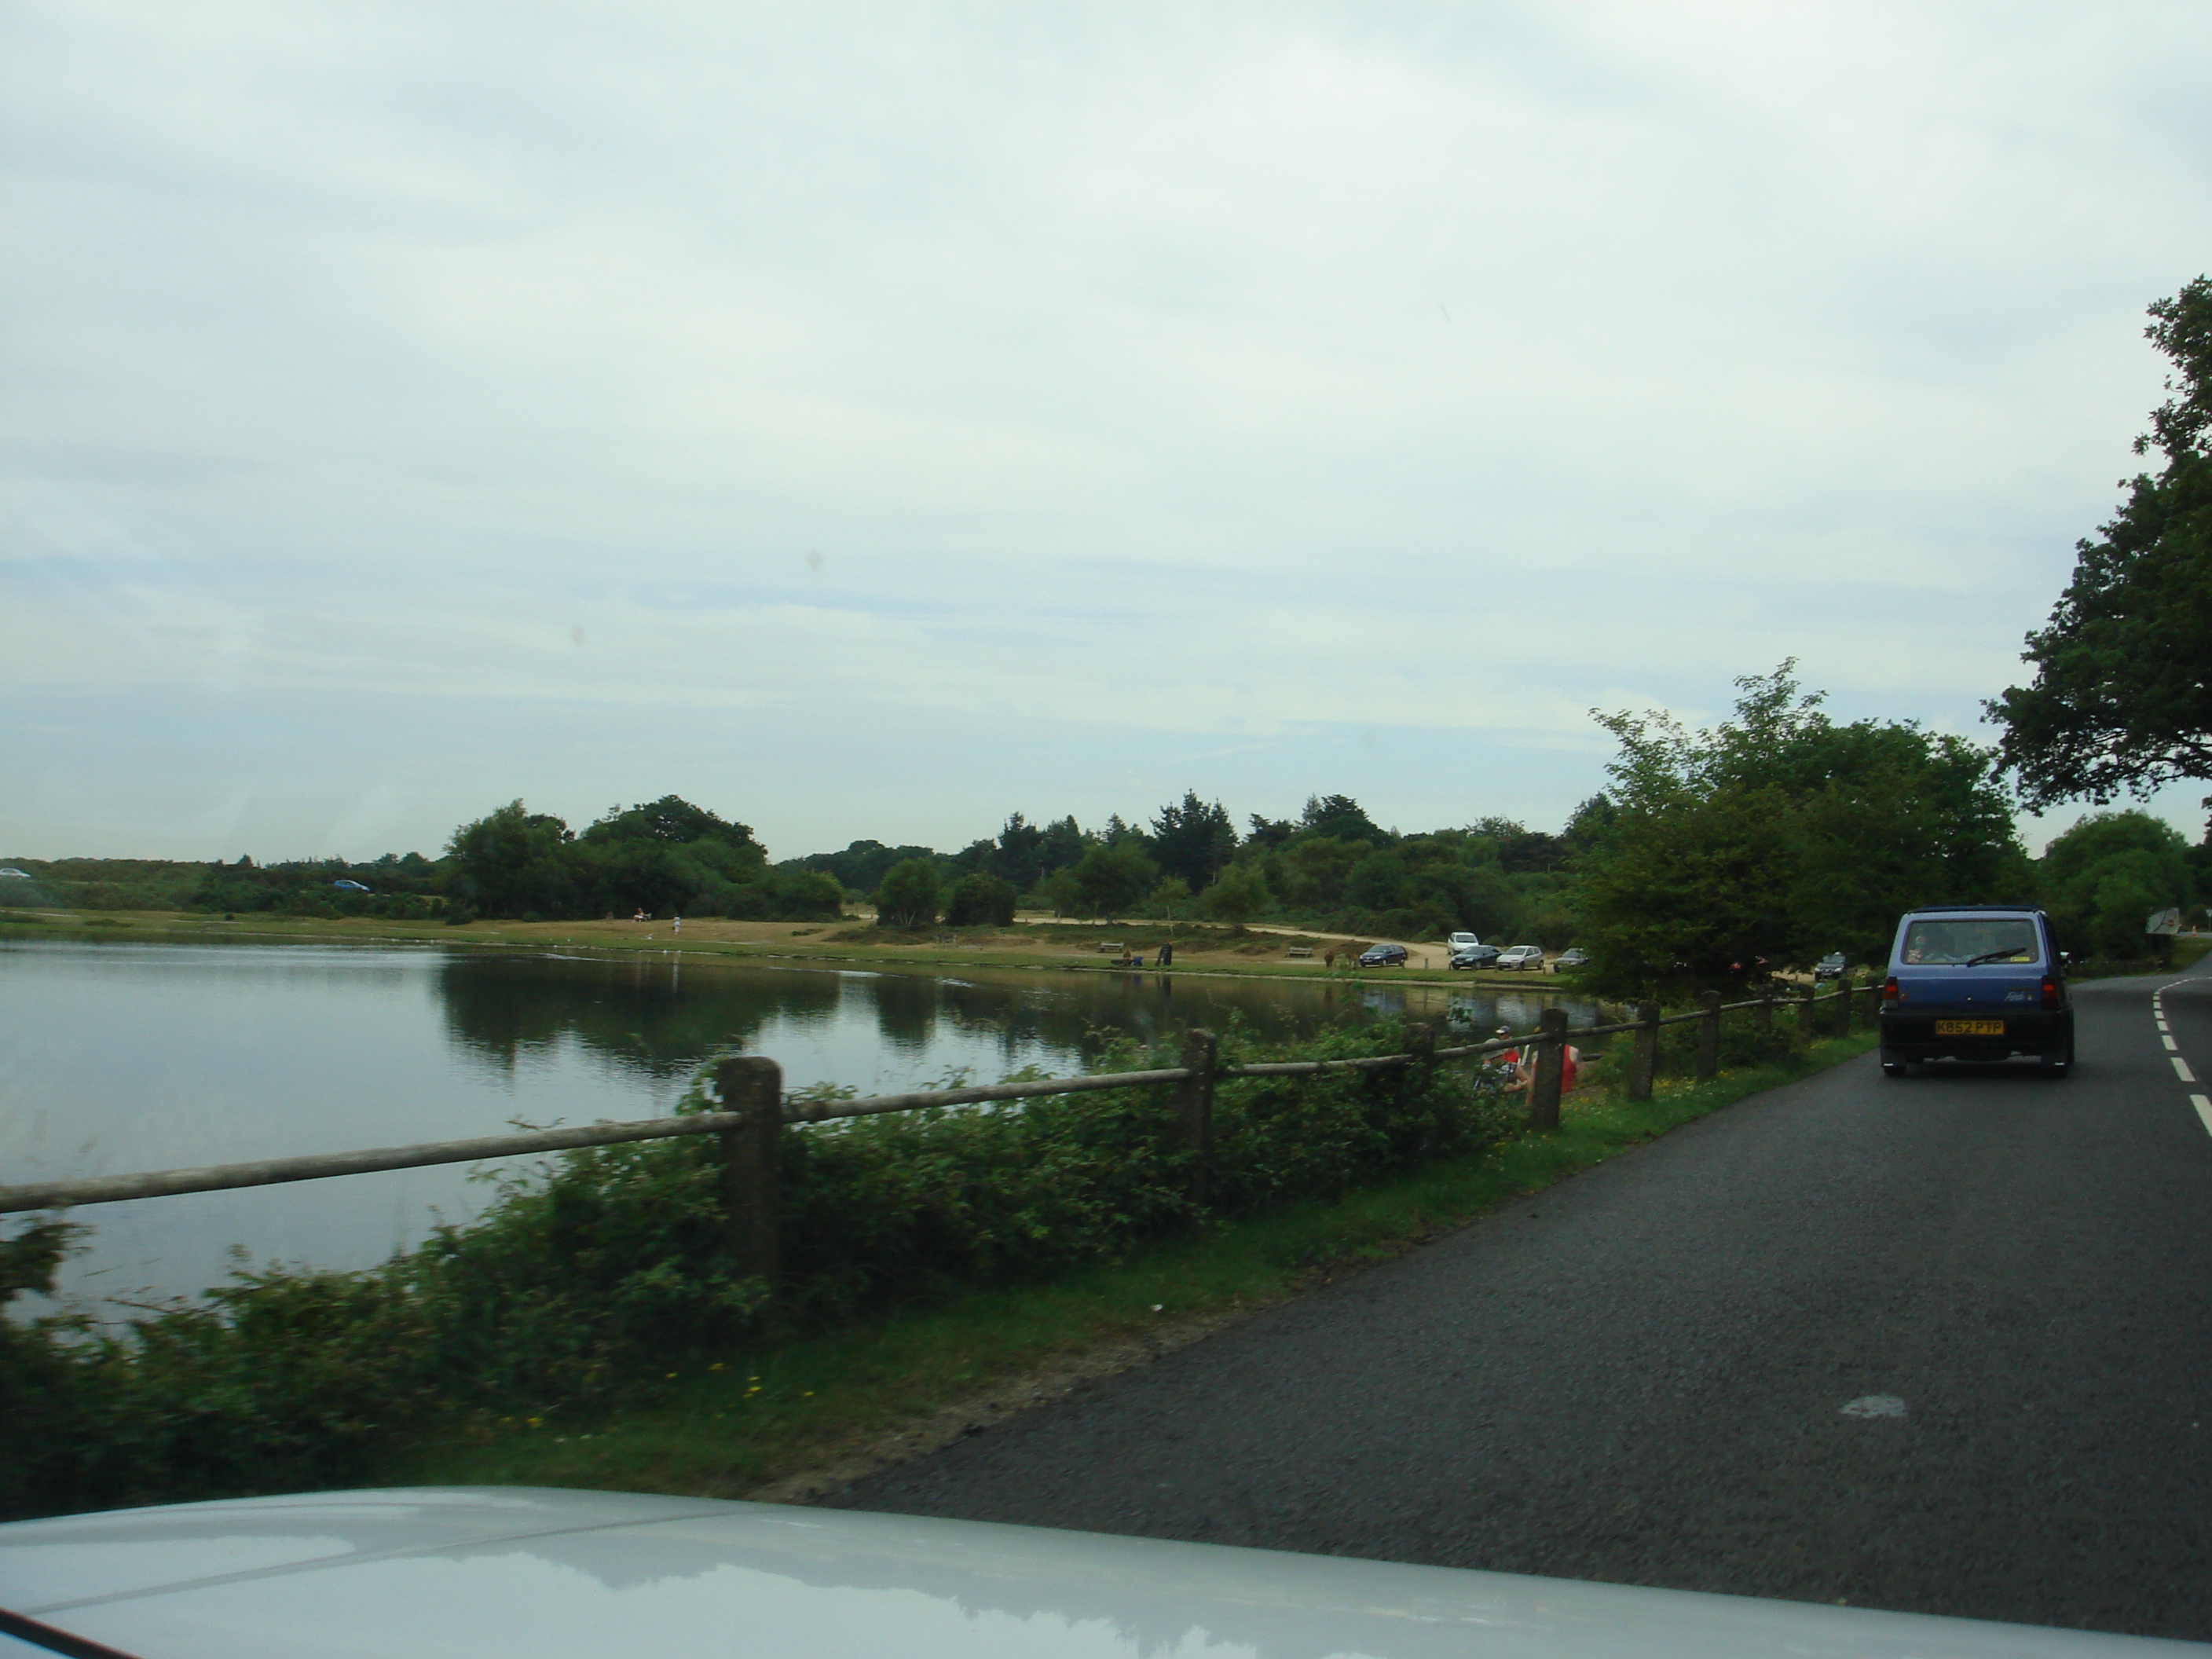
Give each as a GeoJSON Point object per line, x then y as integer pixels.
{"type": "Point", "coordinates": [867, 421]}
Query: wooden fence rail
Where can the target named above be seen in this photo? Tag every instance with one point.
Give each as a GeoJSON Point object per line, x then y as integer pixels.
{"type": "Point", "coordinates": [749, 1089]}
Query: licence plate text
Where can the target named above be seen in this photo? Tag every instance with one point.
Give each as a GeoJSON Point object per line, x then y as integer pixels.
{"type": "Point", "coordinates": [1970, 1028]}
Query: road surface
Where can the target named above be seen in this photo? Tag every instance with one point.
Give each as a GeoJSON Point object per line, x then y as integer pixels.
{"type": "Point", "coordinates": [1941, 1344]}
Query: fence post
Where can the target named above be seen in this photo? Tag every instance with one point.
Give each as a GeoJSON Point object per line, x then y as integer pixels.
{"type": "Point", "coordinates": [1762, 1018]}
{"type": "Point", "coordinates": [1709, 1036]}
{"type": "Point", "coordinates": [752, 1164]}
{"type": "Point", "coordinates": [1420, 1057]}
{"type": "Point", "coordinates": [1873, 1006]}
{"type": "Point", "coordinates": [1551, 1060]}
{"type": "Point", "coordinates": [1643, 1055]}
{"type": "Point", "coordinates": [1843, 1005]}
{"type": "Point", "coordinates": [1805, 1011]}
{"type": "Point", "coordinates": [1201, 1053]}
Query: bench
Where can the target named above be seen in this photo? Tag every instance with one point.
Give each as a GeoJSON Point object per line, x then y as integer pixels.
{"type": "Point", "coordinates": [1117, 948]}
{"type": "Point", "coordinates": [1300, 950]}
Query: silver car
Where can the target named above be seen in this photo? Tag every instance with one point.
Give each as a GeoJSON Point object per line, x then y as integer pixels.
{"type": "Point", "coordinates": [1523, 956]}
{"type": "Point", "coordinates": [531, 1573]}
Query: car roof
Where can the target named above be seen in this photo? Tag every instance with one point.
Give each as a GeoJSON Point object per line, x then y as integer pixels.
{"type": "Point", "coordinates": [565, 1574]}
{"type": "Point", "coordinates": [1975, 909]}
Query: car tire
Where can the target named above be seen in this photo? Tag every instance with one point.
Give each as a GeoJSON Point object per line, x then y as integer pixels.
{"type": "Point", "coordinates": [1895, 1065]}
{"type": "Point", "coordinates": [2059, 1064]}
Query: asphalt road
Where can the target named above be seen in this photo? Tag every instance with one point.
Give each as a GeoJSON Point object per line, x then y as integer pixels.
{"type": "Point", "coordinates": [1941, 1344]}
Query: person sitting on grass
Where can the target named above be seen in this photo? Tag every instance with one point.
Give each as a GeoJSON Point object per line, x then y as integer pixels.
{"type": "Point", "coordinates": [1524, 1066]}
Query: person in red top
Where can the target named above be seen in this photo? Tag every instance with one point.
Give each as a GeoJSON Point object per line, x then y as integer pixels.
{"type": "Point", "coordinates": [1524, 1064]}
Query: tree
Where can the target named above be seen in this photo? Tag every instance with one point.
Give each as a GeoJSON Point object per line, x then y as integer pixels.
{"type": "Point", "coordinates": [980, 900]}
{"type": "Point", "coordinates": [2101, 880]}
{"type": "Point", "coordinates": [1237, 895]}
{"type": "Point", "coordinates": [2121, 700]}
{"type": "Point", "coordinates": [1173, 894]}
{"type": "Point", "coordinates": [514, 862]}
{"type": "Point", "coordinates": [1342, 816]}
{"type": "Point", "coordinates": [1194, 840]}
{"type": "Point", "coordinates": [1783, 835]}
{"type": "Point", "coordinates": [1110, 878]}
{"type": "Point", "coordinates": [907, 897]}
{"type": "Point", "coordinates": [1020, 857]}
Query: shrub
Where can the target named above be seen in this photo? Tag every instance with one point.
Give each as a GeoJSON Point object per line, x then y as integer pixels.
{"type": "Point", "coordinates": [589, 1272]}
{"type": "Point", "coordinates": [980, 900]}
{"type": "Point", "coordinates": [908, 897]}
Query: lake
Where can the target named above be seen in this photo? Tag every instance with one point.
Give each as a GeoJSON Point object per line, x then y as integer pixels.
{"type": "Point", "coordinates": [116, 1058]}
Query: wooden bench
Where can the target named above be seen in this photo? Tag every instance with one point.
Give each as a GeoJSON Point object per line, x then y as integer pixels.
{"type": "Point", "coordinates": [1300, 950]}
{"type": "Point", "coordinates": [1117, 948]}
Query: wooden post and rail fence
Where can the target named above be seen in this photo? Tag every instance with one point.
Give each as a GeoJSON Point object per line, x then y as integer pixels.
{"type": "Point", "coordinates": [753, 1115]}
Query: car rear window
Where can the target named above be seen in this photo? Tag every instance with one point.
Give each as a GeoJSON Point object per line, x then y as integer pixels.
{"type": "Point", "coordinates": [1970, 939]}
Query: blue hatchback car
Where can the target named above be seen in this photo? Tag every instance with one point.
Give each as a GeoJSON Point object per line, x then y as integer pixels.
{"type": "Point", "coordinates": [1979, 982]}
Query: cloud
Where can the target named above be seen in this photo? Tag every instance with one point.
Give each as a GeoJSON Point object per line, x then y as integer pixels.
{"type": "Point", "coordinates": [1233, 374]}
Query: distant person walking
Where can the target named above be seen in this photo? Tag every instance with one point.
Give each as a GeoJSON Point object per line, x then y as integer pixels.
{"type": "Point", "coordinates": [676, 926]}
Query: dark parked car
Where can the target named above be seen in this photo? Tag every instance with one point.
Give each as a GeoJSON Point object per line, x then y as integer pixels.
{"type": "Point", "coordinates": [1977, 982]}
{"type": "Point", "coordinates": [1380, 956]}
{"type": "Point", "coordinates": [1828, 967]}
{"type": "Point", "coordinates": [1474, 956]}
{"type": "Point", "coordinates": [1573, 956]}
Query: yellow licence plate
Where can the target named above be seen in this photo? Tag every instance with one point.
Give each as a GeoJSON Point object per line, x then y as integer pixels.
{"type": "Point", "coordinates": [1970, 1028]}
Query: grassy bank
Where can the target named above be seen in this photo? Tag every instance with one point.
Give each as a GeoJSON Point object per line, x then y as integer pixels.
{"type": "Point", "coordinates": [761, 1417]}
{"type": "Point", "coordinates": [1201, 949]}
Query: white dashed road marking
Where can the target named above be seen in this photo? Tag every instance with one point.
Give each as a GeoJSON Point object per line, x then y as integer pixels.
{"type": "Point", "coordinates": [2181, 1069]}
{"type": "Point", "coordinates": [1875, 1405]}
{"type": "Point", "coordinates": [2170, 1044]}
{"type": "Point", "coordinates": [2203, 1110]}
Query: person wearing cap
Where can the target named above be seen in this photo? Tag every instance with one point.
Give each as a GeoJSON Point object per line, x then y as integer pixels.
{"type": "Point", "coordinates": [1524, 1065]}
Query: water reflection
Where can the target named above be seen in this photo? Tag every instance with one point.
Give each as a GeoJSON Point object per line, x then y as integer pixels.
{"type": "Point", "coordinates": [115, 1058]}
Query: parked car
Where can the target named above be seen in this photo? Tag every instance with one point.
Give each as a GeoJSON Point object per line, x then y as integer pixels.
{"type": "Point", "coordinates": [1830, 966]}
{"type": "Point", "coordinates": [1455, 943]}
{"type": "Point", "coordinates": [1975, 982]}
{"type": "Point", "coordinates": [1572, 956]}
{"type": "Point", "coordinates": [1381, 955]}
{"type": "Point", "coordinates": [1523, 956]}
{"type": "Point", "coordinates": [504, 1572]}
{"type": "Point", "coordinates": [1474, 956]}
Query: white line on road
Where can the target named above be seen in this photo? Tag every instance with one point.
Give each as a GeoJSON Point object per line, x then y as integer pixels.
{"type": "Point", "coordinates": [2203, 1110]}
{"type": "Point", "coordinates": [2181, 1069]}
{"type": "Point", "coordinates": [2170, 1044]}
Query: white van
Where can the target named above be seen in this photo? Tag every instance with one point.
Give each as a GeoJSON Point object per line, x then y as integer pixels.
{"type": "Point", "coordinates": [1454, 943]}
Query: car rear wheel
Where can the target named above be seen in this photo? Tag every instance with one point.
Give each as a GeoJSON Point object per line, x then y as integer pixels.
{"type": "Point", "coordinates": [1895, 1063]}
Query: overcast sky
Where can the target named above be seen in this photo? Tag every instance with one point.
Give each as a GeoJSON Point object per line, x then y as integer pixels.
{"type": "Point", "coordinates": [867, 421]}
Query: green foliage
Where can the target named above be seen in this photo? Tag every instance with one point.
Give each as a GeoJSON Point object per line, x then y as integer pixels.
{"type": "Point", "coordinates": [909, 896]}
{"type": "Point", "coordinates": [863, 865]}
{"type": "Point", "coordinates": [1108, 880]}
{"type": "Point", "coordinates": [1782, 836]}
{"type": "Point", "coordinates": [2103, 877]}
{"type": "Point", "coordinates": [1193, 840]}
{"type": "Point", "coordinates": [980, 900]}
{"type": "Point", "coordinates": [664, 857]}
{"type": "Point", "coordinates": [1237, 896]}
{"type": "Point", "coordinates": [588, 1275]}
{"type": "Point", "coordinates": [2121, 702]}
{"type": "Point", "coordinates": [787, 895]}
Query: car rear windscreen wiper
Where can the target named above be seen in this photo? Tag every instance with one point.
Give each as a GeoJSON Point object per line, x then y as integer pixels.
{"type": "Point", "coordinates": [1996, 956]}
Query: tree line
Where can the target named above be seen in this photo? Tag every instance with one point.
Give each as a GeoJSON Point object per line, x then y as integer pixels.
{"type": "Point", "coordinates": [1772, 838]}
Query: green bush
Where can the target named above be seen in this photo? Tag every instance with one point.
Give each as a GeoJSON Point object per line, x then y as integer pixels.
{"type": "Point", "coordinates": [589, 1272]}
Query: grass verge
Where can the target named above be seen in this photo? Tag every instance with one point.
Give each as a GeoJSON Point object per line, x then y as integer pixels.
{"type": "Point", "coordinates": [759, 1419]}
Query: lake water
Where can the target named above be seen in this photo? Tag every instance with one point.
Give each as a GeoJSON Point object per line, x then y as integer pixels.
{"type": "Point", "coordinates": [116, 1058]}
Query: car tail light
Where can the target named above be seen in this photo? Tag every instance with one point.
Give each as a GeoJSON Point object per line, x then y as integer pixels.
{"type": "Point", "coordinates": [2050, 991]}
{"type": "Point", "coordinates": [1889, 991]}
